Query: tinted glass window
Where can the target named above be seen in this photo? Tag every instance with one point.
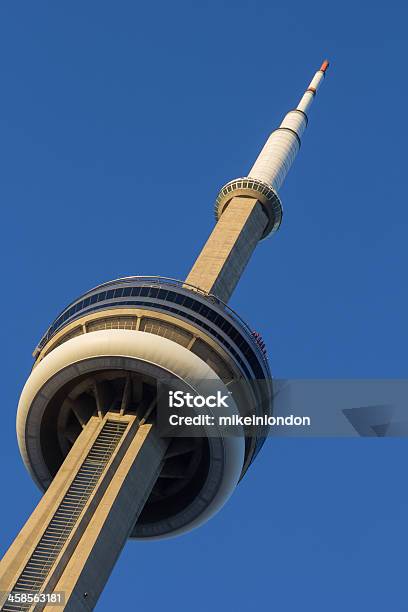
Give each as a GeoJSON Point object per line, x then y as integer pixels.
{"type": "Point", "coordinates": [212, 315]}
{"type": "Point", "coordinates": [204, 311]}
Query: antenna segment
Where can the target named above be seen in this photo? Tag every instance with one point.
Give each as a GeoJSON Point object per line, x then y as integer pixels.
{"type": "Point", "coordinates": [282, 146]}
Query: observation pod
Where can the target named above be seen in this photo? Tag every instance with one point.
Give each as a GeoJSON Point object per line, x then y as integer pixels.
{"type": "Point", "coordinates": [112, 349]}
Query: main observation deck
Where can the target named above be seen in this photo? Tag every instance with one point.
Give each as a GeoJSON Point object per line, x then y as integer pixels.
{"type": "Point", "coordinates": [203, 310]}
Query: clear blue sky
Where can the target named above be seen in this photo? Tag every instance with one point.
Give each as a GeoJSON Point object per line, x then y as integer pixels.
{"type": "Point", "coordinates": [119, 121]}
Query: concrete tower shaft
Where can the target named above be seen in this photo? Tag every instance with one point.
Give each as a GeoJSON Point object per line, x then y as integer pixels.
{"type": "Point", "coordinates": [70, 543]}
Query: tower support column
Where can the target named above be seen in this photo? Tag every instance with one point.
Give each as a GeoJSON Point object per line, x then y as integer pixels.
{"type": "Point", "coordinates": [88, 511]}
{"type": "Point", "coordinates": [227, 251]}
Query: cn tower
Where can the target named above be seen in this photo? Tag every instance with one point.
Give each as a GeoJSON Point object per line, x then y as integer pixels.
{"type": "Point", "coordinates": [87, 416]}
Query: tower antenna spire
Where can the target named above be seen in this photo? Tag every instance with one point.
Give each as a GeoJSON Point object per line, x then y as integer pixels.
{"type": "Point", "coordinates": [282, 146]}
{"type": "Point", "coordinates": [307, 98]}
{"type": "Point", "coordinates": [248, 209]}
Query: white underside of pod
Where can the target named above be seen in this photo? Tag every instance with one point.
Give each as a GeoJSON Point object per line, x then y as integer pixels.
{"type": "Point", "coordinates": [140, 347]}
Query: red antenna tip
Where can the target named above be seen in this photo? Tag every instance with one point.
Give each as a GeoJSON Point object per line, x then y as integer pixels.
{"type": "Point", "coordinates": [324, 66]}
